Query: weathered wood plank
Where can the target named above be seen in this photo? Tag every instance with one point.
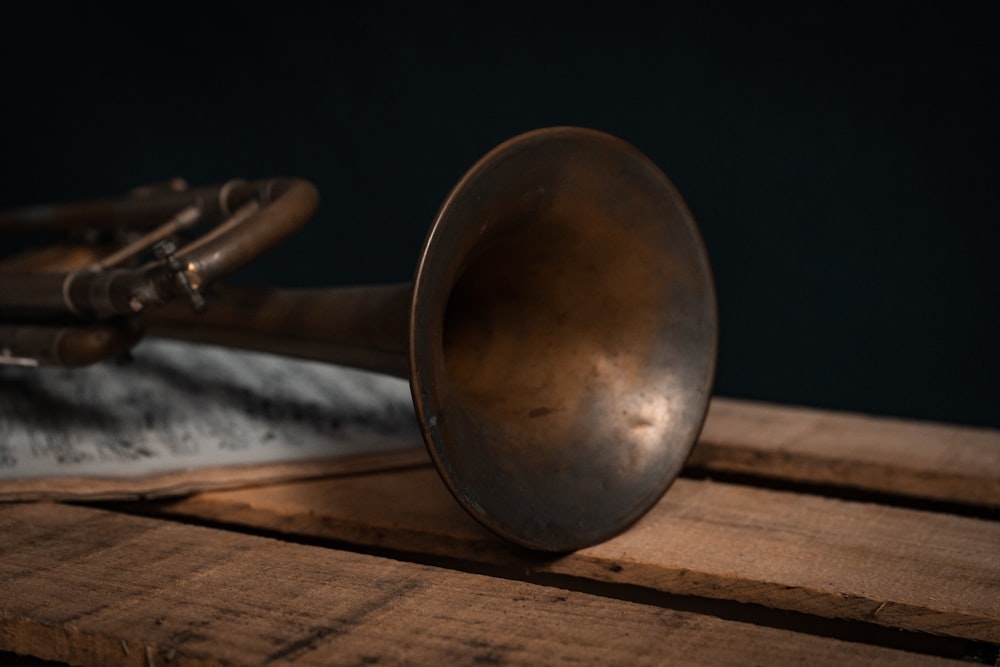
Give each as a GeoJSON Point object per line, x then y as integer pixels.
{"type": "Point", "coordinates": [920, 459]}
{"type": "Point", "coordinates": [94, 588]}
{"type": "Point", "coordinates": [922, 571]}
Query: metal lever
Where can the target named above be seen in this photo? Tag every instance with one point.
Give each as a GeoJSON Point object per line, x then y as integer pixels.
{"type": "Point", "coordinates": [165, 251]}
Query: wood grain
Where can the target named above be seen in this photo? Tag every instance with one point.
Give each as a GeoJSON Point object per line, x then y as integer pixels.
{"type": "Point", "coordinates": [94, 588]}
{"type": "Point", "coordinates": [923, 571]}
{"type": "Point", "coordinates": [920, 459]}
{"type": "Point", "coordinates": [181, 482]}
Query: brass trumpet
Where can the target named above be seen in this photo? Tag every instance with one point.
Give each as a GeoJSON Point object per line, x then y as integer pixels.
{"type": "Point", "coordinates": [559, 334]}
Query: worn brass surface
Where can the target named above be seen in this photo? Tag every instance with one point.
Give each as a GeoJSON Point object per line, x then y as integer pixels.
{"type": "Point", "coordinates": [563, 337]}
{"type": "Point", "coordinates": [559, 336]}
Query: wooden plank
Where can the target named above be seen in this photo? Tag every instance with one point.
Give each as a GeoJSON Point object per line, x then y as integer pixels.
{"type": "Point", "coordinates": [93, 588]}
{"type": "Point", "coordinates": [180, 482]}
{"type": "Point", "coordinates": [921, 459]}
{"type": "Point", "coordinates": [902, 568]}
{"type": "Point", "coordinates": [922, 571]}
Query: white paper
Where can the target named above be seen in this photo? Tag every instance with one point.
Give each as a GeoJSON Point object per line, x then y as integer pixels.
{"type": "Point", "coordinates": [179, 407]}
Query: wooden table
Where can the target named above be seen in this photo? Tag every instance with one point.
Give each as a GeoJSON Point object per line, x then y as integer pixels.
{"type": "Point", "coordinates": [794, 536]}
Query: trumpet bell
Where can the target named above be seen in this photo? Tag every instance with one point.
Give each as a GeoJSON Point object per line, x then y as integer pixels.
{"type": "Point", "coordinates": [563, 336]}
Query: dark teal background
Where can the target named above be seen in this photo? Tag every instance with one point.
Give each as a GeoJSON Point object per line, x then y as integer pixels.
{"type": "Point", "coordinates": [841, 159]}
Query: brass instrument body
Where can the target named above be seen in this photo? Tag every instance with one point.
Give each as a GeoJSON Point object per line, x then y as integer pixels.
{"type": "Point", "coordinates": [559, 335]}
{"type": "Point", "coordinates": [99, 299]}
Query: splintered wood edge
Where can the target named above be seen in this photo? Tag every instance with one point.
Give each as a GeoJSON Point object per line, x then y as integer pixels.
{"type": "Point", "coordinates": [92, 587]}
{"type": "Point", "coordinates": [918, 459]}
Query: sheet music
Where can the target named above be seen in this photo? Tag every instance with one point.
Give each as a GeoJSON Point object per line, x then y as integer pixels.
{"type": "Point", "coordinates": [179, 407]}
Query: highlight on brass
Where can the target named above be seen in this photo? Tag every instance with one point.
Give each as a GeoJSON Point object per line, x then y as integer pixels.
{"type": "Point", "coordinates": [559, 334]}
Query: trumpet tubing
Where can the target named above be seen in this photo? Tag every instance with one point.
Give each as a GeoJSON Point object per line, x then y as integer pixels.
{"type": "Point", "coordinates": [559, 334]}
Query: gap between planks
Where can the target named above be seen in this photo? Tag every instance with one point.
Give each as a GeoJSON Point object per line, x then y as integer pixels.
{"type": "Point", "coordinates": [92, 587]}
{"type": "Point", "coordinates": [920, 571]}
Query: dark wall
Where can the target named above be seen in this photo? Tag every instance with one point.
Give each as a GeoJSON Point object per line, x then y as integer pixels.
{"type": "Point", "coordinates": [842, 162]}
